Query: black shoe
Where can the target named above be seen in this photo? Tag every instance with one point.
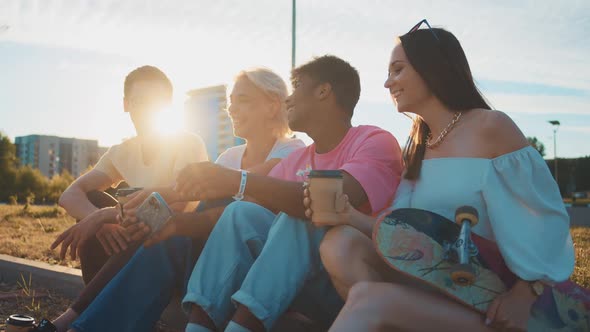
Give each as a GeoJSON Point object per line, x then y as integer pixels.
{"type": "Point", "coordinates": [45, 326]}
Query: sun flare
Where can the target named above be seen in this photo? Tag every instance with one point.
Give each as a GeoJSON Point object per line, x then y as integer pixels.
{"type": "Point", "coordinates": [168, 121]}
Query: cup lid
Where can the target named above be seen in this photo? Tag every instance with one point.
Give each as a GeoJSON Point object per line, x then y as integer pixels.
{"type": "Point", "coordinates": [20, 320]}
{"type": "Point", "coordinates": [325, 174]}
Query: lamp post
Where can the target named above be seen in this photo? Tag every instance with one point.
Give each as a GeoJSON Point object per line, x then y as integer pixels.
{"type": "Point", "coordinates": [293, 34]}
{"type": "Point", "coordinates": [555, 125]}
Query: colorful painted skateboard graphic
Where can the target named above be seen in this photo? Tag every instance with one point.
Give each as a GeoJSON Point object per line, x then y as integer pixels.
{"type": "Point", "coordinates": [423, 244]}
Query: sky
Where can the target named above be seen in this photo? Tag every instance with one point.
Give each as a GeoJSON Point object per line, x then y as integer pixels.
{"type": "Point", "coordinates": [62, 63]}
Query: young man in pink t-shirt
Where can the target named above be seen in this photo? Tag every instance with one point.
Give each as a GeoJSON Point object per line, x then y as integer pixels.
{"type": "Point", "coordinates": [261, 255]}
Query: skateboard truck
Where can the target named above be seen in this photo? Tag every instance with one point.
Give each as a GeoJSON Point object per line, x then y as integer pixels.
{"type": "Point", "coordinates": [463, 273]}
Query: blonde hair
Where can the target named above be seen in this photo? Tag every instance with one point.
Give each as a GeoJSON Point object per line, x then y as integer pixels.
{"type": "Point", "coordinates": [273, 86]}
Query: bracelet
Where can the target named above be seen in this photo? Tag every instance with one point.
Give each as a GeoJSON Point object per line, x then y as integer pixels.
{"type": "Point", "coordinates": [240, 195]}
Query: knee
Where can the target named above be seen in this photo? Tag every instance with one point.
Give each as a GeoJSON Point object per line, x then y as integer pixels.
{"type": "Point", "coordinates": [89, 249]}
{"type": "Point", "coordinates": [234, 212]}
{"type": "Point", "coordinates": [341, 245]}
{"type": "Point", "coordinates": [242, 210]}
{"type": "Point", "coordinates": [377, 296]}
{"type": "Point", "coordinates": [239, 218]}
{"type": "Point", "coordinates": [358, 293]}
{"type": "Point", "coordinates": [378, 304]}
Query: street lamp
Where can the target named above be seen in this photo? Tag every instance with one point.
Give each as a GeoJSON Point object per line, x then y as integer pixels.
{"type": "Point", "coordinates": [293, 32]}
{"type": "Point", "coordinates": [555, 125]}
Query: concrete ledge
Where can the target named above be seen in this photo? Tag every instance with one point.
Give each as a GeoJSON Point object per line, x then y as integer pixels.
{"type": "Point", "coordinates": [65, 280]}
{"type": "Point", "coordinates": [68, 282]}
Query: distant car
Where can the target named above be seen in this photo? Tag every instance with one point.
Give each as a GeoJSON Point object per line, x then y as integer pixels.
{"type": "Point", "coordinates": [580, 194]}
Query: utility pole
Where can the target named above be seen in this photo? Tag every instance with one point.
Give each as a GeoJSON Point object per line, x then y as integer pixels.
{"type": "Point", "coordinates": [293, 35]}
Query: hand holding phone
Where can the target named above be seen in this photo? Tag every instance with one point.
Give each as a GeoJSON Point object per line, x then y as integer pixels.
{"type": "Point", "coordinates": [154, 212]}
{"type": "Point", "coordinates": [122, 196]}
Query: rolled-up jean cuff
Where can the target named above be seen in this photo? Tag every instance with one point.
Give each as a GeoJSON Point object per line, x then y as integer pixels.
{"type": "Point", "coordinates": [256, 308]}
{"type": "Point", "coordinates": [203, 302]}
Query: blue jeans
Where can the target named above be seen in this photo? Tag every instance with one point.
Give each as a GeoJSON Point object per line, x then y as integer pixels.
{"type": "Point", "coordinates": [134, 299]}
{"type": "Point", "coordinates": [262, 261]}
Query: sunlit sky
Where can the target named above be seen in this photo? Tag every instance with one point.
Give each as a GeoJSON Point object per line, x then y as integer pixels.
{"type": "Point", "coordinates": [62, 63]}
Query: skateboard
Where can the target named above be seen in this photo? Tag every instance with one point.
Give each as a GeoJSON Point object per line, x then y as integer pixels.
{"type": "Point", "coordinates": [442, 253]}
{"type": "Point", "coordinates": [447, 256]}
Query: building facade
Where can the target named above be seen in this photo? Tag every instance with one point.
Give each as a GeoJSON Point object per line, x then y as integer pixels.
{"type": "Point", "coordinates": [53, 155]}
{"type": "Point", "coordinates": [206, 115]}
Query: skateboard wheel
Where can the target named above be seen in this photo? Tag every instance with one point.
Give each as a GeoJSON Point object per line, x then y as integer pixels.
{"type": "Point", "coordinates": [463, 274]}
{"type": "Point", "coordinates": [468, 213]}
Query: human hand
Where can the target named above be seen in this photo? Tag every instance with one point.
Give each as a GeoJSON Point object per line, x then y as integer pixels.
{"type": "Point", "coordinates": [510, 311]}
{"type": "Point", "coordinates": [178, 224]}
{"type": "Point", "coordinates": [113, 238]}
{"type": "Point", "coordinates": [343, 208]}
{"type": "Point", "coordinates": [77, 235]}
{"type": "Point", "coordinates": [127, 210]}
{"type": "Point", "coordinates": [206, 180]}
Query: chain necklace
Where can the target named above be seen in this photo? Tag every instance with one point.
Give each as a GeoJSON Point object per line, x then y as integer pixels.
{"type": "Point", "coordinates": [444, 133]}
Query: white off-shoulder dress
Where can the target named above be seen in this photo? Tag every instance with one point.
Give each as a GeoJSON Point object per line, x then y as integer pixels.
{"type": "Point", "coordinates": [521, 210]}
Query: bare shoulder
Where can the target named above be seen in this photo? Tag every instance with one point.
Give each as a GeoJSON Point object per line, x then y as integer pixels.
{"type": "Point", "coordinates": [501, 131]}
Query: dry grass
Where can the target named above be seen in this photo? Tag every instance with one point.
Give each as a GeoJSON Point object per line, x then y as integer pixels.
{"type": "Point", "coordinates": [581, 274]}
{"type": "Point", "coordinates": [23, 299]}
{"type": "Point", "coordinates": [28, 232]}
{"type": "Point", "coordinates": [38, 303]}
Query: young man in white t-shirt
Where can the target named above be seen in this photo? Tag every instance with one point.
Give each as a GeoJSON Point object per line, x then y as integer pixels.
{"type": "Point", "coordinates": [146, 160]}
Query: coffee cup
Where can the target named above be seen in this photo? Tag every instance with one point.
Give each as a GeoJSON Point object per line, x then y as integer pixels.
{"type": "Point", "coordinates": [325, 189]}
{"type": "Point", "coordinates": [20, 323]}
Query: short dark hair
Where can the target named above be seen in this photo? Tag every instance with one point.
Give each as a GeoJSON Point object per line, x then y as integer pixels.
{"type": "Point", "coordinates": [147, 73]}
{"type": "Point", "coordinates": [343, 78]}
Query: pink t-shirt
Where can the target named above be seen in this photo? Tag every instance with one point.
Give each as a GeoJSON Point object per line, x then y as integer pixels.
{"type": "Point", "coordinates": [368, 153]}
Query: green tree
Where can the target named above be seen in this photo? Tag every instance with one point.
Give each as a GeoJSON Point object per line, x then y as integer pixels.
{"type": "Point", "coordinates": [57, 185]}
{"type": "Point", "coordinates": [538, 145]}
{"type": "Point", "coordinates": [8, 163]}
{"type": "Point", "coordinates": [29, 182]}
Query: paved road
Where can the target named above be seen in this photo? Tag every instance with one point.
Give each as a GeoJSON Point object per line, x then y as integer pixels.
{"type": "Point", "coordinates": [579, 216]}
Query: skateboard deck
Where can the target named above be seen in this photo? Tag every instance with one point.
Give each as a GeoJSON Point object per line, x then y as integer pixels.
{"type": "Point", "coordinates": [418, 243]}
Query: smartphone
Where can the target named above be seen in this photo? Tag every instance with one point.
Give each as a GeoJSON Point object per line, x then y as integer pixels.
{"type": "Point", "coordinates": [154, 212]}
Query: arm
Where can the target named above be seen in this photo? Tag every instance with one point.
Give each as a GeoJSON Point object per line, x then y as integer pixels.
{"type": "Point", "coordinates": [349, 215]}
{"type": "Point", "coordinates": [286, 196]}
{"type": "Point", "coordinates": [74, 199]}
{"type": "Point", "coordinates": [265, 167]}
{"type": "Point", "coordinates": [199, 224]}
{"type": "Point", "coordinates": [511, 310]}
{"type": "Point", "coordinates": [210, 181]}
{"type": "Point", "coordinates": [179, 203]}
{"type": "Point", "coordinates": [362, 222]}
{"type": "Point", "coordinates": [191, 224]}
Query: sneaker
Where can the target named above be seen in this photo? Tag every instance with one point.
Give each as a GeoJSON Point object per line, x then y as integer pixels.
{"type": "Point", "coordinates": [45, 326]}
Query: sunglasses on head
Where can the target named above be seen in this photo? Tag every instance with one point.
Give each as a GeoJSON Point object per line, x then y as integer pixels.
{"type": "Point", "coordinates": [417, 26]}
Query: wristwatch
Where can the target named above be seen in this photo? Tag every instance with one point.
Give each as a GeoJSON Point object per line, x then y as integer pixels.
{"type": "Point", "coordinates": [537, 287]}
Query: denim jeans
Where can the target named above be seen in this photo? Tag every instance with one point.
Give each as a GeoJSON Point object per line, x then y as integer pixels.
{"type": "Point", "coordinates": [135, 298]}
{"type": "Point", "coordinates": [262, 261]}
